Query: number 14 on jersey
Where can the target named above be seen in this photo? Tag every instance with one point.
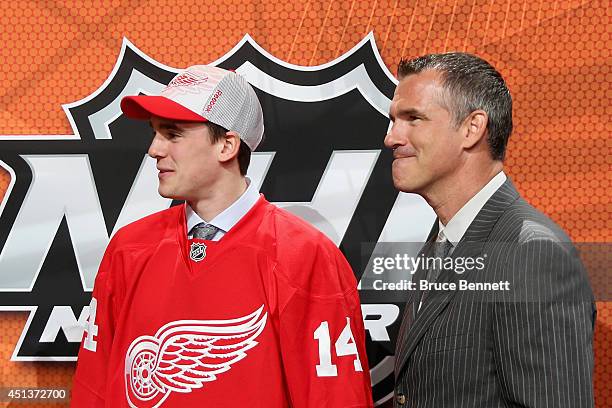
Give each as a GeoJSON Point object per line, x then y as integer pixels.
{"type": "Point", "coordinates": [345, 346]}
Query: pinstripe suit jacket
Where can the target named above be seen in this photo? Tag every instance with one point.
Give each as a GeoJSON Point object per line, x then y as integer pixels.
{"type": "Point", "coordinates": [530, 346]}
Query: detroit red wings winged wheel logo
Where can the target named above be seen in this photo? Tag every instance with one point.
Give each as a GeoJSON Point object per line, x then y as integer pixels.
{"type": "Point", "coordinates": [185, 354]}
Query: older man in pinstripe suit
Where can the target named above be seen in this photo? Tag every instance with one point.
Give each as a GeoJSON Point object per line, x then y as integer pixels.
{"type": "Point", "coordinates": [529, 346]}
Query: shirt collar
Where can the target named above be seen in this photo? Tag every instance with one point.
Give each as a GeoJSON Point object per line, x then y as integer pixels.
{"type": "Point", "coordinates": [458, 225]}
{"type": "Point", "coordinates": [231, 215]}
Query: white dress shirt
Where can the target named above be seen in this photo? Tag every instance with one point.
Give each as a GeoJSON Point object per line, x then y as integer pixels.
{"type": "Point", "coordinates": [456, 227]}
{"type": "Point", "coordinates": [228, 217]}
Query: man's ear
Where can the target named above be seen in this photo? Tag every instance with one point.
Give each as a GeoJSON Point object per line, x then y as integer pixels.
{"type": "Point", "coordinates": [475, 126]}
{"type": "Point", "coordinates": [231, 146]}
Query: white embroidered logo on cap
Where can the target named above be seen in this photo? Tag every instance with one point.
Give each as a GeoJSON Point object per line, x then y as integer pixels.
{"type": "Point", "coordinates": [188, 79]}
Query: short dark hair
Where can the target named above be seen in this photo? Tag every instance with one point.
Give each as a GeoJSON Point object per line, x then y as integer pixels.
{"type": "Point", "coordinates": [217, 132]}
{"type": "Point", "coordinates": [471, 83]}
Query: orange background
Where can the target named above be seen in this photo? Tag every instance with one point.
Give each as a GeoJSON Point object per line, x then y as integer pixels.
{"type": "Point", "coordinates": [555, 56]}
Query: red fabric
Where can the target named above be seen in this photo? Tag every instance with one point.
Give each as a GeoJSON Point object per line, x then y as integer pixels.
{"type": "Point", "coordinates": [145, 106]}
{"type": "Point", "coordinates": [270, 261]}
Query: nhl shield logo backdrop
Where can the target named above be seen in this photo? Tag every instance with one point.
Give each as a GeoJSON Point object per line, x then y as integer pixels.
{"type": "Point", "coordinates": [65, 192]}
{"type": "Point", "coordinates": [321, 159]}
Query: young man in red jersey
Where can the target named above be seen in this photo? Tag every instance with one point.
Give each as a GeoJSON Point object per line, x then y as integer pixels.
{"type": "Point", "coordinates": [227, 300]}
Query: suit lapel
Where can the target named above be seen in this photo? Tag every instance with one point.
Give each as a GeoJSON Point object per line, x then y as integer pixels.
{"type": "Point", "coordinates": [471, 245]}
{"type": "Point", "coordinates": [422, 272]}
{"type": "Point", "coordinates": [414, 296]}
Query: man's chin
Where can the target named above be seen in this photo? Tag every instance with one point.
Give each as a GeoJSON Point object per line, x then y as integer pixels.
{"type": "Point", "coordinates": [406, 186]}
{"type": "Point", "coordinates": [168, 194]}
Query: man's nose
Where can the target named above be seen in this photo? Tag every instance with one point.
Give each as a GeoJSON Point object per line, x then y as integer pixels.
{"type": "Point", "coordinates": [156, 149]}
{"type": "Point", "coordinates": [392, 139]}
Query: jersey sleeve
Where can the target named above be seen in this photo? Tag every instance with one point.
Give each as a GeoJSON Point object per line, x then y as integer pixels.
{"type": "Point", "coordinates": [322, 336]}
{"type": "Point", "coordinates": [89, 386]}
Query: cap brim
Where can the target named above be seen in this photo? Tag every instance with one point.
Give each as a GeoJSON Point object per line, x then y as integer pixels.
{"type": "Point", "coordinates": [144, 106]}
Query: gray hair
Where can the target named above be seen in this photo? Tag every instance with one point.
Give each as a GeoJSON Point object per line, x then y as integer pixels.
{"type": "Point", "coordinates": [470, 83]}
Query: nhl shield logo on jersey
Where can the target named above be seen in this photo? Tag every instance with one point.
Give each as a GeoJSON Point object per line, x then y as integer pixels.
{"type": "Point", "coordinates": [197, 251]}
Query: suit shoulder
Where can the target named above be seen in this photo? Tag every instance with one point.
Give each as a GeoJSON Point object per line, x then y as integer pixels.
{"type": "Point", "coordinates": [522, 231]}
{"type": "Point", "coordinates": [530, 224]}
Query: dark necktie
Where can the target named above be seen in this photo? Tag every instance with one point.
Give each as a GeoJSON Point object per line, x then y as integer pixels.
{"type": "Point", "coordinates": [441, 250]}
{"type": "Point", "coordinates": [204, 231]}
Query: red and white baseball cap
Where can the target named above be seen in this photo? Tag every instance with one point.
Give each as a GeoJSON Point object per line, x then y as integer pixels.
{"type": "Point", "coordinates": [202, 93]}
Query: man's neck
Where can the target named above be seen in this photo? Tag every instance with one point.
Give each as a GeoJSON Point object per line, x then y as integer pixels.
{"type": "Point", "coordinates": [219, 198]}
{"type": "Point", "coordinates": [451, 195]}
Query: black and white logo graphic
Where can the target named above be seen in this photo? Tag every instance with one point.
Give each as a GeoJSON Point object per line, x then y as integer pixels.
{"type": "Point", "coordinates": [197, 252]}
{"type": "Point", "coordinates": [322, 159]}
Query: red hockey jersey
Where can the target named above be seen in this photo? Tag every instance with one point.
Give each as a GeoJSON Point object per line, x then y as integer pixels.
{"type": "Point", "coordinates": [269, 316]}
